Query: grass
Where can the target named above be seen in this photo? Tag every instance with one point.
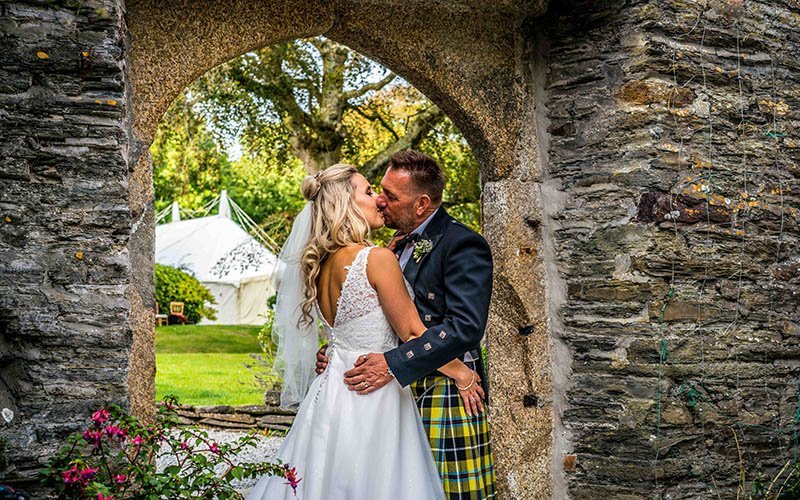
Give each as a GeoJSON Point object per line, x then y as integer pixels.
{"type": "Point", "coordinates": [207, 338]}
{"type": "Point", "coordinates": [204, 364]}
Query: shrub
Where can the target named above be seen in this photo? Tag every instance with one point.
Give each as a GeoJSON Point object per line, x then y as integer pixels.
{"type": "Point", "coordinates": [174, 285]}
{"type": "Point", "coordinates": [114, 458]}
{"type": "Point", "coordinates": [262, 366]}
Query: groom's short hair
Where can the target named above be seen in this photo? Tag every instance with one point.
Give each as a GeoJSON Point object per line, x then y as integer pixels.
{"type": "Point", "coordinates": [425, 172]}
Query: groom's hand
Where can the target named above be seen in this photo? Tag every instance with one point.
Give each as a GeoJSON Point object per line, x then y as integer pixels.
{"type": "Point", "coordinates": [370, 373]}
{"type": "Point", "coordinates": [322, 359]}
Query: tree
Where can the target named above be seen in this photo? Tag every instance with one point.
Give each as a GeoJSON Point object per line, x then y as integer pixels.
{"type": "Point", "coordinates": [302, 91]}
{"type": "Point", "coordinates": [398, 106]}
{"type": "Point", "coordinates": [242, 104]}
{"type": "Point", "coordinates": [189, 165]}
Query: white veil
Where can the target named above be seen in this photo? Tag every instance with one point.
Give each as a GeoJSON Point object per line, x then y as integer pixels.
{"type": "Point", "coordinates": [297, 343]}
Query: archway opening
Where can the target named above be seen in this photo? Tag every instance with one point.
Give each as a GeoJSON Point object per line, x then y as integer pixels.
{"type": "Point", "coordinates": [232, 150]}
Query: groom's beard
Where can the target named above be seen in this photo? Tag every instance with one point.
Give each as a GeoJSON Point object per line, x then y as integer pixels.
{"type": "Point", "coordinates": [389, 223]}
{"type": "Point", "coordinates": [403, 224]}
{"type": "Point", "coordinates": [392, 223]}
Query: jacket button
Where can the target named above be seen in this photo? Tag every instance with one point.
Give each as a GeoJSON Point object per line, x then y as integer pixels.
{"type": "Point", "coordinates": [410, 354]}
{"type": "Point", "coordinates": [427, 317]}
{"type": "Point", "coordinates": [442, 334]}
{"type": "Point", "coordinates": [431, 296]}
{"type": "Point", "coordinates": [427, 346]}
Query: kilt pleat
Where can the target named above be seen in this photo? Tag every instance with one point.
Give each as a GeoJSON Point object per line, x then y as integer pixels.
{"type": "Point", "coordinates": [460, 443]}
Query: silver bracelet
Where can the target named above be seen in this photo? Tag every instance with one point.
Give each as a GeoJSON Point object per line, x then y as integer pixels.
{"type": "Point", "coordinates": [389, 371]}
{"type": "Point", "coordinates": [469, 386]}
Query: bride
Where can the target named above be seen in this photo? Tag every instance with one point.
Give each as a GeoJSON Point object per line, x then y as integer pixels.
{"type": "Point", "coordinates": [347, 446]}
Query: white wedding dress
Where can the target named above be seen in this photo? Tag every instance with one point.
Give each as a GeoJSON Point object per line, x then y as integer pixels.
{"type": "Point", "coordinates": [351, 447]}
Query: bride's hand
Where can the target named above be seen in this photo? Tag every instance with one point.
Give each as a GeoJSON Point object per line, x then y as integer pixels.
{"type": "Point", "coordinates": [471, 392]}
{"type": "Point", "coordinates": [395, 240]}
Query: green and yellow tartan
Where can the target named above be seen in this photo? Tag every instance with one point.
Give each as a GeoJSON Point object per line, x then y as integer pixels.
{"type": "Point", "coordinates": [460, 443]}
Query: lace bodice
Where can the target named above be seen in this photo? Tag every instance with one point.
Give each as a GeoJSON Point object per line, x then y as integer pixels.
{"type": "Point", "coordinates": [359, 324]}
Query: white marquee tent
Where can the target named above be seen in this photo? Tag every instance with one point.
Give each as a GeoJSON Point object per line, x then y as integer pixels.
{"type": "Point", "coordinates": [235, 266]}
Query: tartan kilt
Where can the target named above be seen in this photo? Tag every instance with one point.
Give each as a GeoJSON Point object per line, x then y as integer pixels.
{"type": "Point", "coordinates": [460, 443]}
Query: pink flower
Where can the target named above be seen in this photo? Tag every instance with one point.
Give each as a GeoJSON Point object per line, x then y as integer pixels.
{"type": "Point", "coordinates": [70, 475]}
{"type": "Point", "coordinates": [120, 478]}
{"type": "Point", "coordinates": [291, 477]}
{"type": "Point", "coordinates": [184, 445]}
{"type": "Point", "coordinates": [100, 416]}
{"type": "Point", "coordinates": [138, 440]}
{"type": "Point", "coordinates": [213, 448]}
{"type": "Point", "coordinates": [116, 431]}
{"type": "Point", "coordinates": [93, 436]}
{"type": "Point", "coordinates": [100, 496]}
{"type": "Point", "coordinates": [88, 473]}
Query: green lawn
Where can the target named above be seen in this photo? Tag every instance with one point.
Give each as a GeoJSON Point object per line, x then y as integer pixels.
{"type": "Point", "coordinates": [204, 365]}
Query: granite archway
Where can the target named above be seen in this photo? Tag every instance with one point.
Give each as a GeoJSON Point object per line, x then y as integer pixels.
{"type": "Point", "coordinates": [467, 57]}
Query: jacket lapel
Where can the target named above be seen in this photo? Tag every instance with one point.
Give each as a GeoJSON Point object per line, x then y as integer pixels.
{"type": "Point", "coordinates": [433, 232]}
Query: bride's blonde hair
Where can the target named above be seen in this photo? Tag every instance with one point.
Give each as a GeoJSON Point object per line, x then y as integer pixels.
{"type": "Point", "coordinates": [336, 222]}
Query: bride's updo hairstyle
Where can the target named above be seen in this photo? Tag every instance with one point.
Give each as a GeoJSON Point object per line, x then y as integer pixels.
{"type": "Point", "coordinates": [336, 222]}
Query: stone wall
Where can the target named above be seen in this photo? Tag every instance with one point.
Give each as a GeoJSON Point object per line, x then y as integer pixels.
{"type": "Point", "coordinates": [64, 222]}
{"type": "Point", "coordinates": [641, 173]}
{"type": "Point", "coordinates": [673, 144]}
{"type": "Point", "coordinates": [265, 418]}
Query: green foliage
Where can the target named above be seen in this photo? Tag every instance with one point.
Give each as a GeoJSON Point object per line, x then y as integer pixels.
{"type": "Point", "coordinates": [174, 285]}
{"type": "Point", "coordinates": [785, 485]}
{"type": "Point", "coordinates": [462, 193]}
{"type": "Point", "coordinates": [270, 108]}
{"type": "Point", "coordinates": [189, 166]}
{"type": "Point", "coordinates": [115, 458]}
{"type": "Point", "coordinates": [290, 99]}
{"type": "Point", "coordinates": [266, 377]}
{"type": "Point", "coordinates": [269, 193]}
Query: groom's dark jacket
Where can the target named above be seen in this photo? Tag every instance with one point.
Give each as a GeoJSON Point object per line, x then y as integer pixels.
{"type": "Point", "coordinates": [452, 287]}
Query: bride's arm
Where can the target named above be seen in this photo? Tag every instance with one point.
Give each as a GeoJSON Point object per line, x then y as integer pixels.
{"type": "Point", "coordinates": [385, 275]}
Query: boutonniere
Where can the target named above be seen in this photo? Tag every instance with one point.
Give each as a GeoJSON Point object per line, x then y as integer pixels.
{"type": "Point", "coordinates": [421, 248]}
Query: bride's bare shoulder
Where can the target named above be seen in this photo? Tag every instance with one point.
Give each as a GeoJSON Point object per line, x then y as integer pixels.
{"type": "Point", "coordinates": [381, 255]}
{"type": "Point", "coordinates": [382, 264]}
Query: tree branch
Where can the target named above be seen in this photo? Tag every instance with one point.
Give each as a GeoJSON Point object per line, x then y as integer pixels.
{"type": "Point", "coordinates": [376, 117]}
{"type": "Point", "coordinates": [370, 86]}
{"type": "Point", "coordinates": [422, 124]}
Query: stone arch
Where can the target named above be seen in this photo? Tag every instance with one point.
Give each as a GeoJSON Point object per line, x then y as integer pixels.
{"type": "Point", "coordinates": [468, 57]}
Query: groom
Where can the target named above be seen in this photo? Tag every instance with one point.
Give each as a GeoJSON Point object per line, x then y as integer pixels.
{"type": "Point", "coordinates": [449, 267]}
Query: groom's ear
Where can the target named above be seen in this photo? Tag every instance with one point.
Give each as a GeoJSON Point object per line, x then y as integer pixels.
{"type": "Point", "coordinates": [423, 203]}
